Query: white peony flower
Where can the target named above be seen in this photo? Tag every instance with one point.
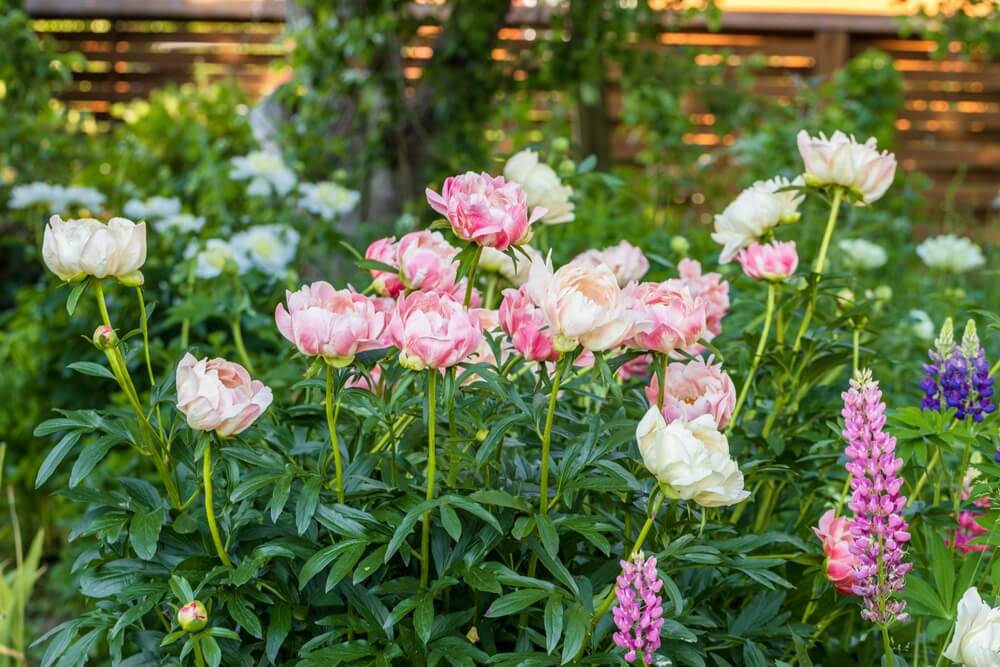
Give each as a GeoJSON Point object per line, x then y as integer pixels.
{"type": "Point", "coordinates": [83, 197]}
{"type": "Point", "coordinates": [74, 249]}
{"type": "Point", "coordinates": [948, 252]}
{"type": "Point", "coordinates": [863, 254]}
{"type": "Point", "coordinates": [754, 212]}
{"type": "Point", "coordinates": [841, 160]}
{"type": "Point", "coordinates": [692, 458]}
{"type": "Point", "coordinates": [542, 186]}
{"type": "Point", "coordinates": [154, 208]}
{"type": "Point", "coordinates": [327, 199]}
{"type": "Point", "coordinates": [921, 324]}
{"type": "Point", "coordinates": [976, 642]}
{"type": "Point", "coordinates": [265, 171]}
{"type": "Point", "coordinates": [181, 223]}
{"type": "Point", "coordinates": [214, 257]}
{"type": "Point", "coordinates": [268, 248]}
{"type": "Point", "coordinates": [494, 261]}
{"type": "Point", "coordinates": [30, 194]}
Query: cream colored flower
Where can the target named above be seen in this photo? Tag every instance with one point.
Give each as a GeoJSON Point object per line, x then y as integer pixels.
{"type": "Point", "coordinates": [692, 458]}
{"type": "Point", "coordinates": [756, 210]}
{"type": "Point", "coordinates": [542, 186]}
{"type": "Point", "coordinates": [863, 254]}
{"type": "Point", "coordinates": [841, 160]}
{"type": "Point", "coordinates": [976, 642]}
{"type": "Point", "coordinates": [74, 249]}
{"type": "Point", "coordinates": [949, 252]}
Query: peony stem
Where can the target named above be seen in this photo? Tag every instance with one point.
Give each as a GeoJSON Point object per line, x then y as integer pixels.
{"type": "Point", "coordinates": [543, 483]}
{"type": "Point", "coordinates": [757, 356]}
{"type": "Point", "coordinates": [661, 393]}
{"type": "Point", "coordinates": [425, 534]}
{"type": "Point", "coordinates": [199, 660]}
{"type": "Point", "coordinates": [209, 509]}
{"type": "Point", "coordinates": [838, 195]}
{"type": "Point", "coordinates": [472, 275]}
{"type": "Point", "coordinates": [186, 323]}
{"type": "Point", "coordinates": [331, 423]}
{"type": "Point", "coordinates": [240, 347]}
{"type": "Point", "coordinates": [144, 323]}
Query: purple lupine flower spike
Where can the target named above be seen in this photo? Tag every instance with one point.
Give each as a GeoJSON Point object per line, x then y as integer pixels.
{"type": "Point", "coordinates": [639, 612]}
{"type": "Point", "coordinates": [878, 528]}
{"type": "Point", "coordinates": [958, 376]}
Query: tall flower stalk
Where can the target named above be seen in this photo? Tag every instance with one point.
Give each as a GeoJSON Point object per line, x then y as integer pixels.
{"type": "Point", "coordinates": [425, 533]}
{"type": "Point", "coordinates": [332, 413]}
{"type": "Point", "coordinates": [543, 482]}
{"type": "Point", "coordinates": [639, 614]}
{"type": "Point", "coordinates": [213, 526]}
{"type": "Point", "coordinates": [757, 356]}
{"type": "Point", "coordinates": [819, 265]}
{"type": "Point", "coordinates": [878, 529]}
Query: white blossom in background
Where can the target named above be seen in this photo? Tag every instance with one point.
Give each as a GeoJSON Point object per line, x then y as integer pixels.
{"type": "Point", "coordinates": [266, 172]}
{"type": "Point", "coordinates": [951, 253]}
{"type": "Point", "coordinates": [154, 208]}
{"type": "Point", "coordinates": [268, 248]}
{"type": "Point", "coordinates": [214, 256]}
{"type": "Point", "coordinates": [181, 223]}
{"type": "Point", "coordinates": [57, 199]}
{"type": "Point", "coordinates": [753, 213]}
{"type": "Point", "coordinates": [541, 186]}
{"type": "Point", "coordinates": [921, 324]}
{"type": "Point", "coordinates": [863, 254]}
{"type": "Point", "coordinates": [494, 261]}
{"type": "Point", "coordinates": [327, 199]}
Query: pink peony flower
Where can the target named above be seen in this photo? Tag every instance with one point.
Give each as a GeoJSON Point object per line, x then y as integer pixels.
{"type": "Point", "coordinates": [581, 304]}
{"type": "Point", "coordinates": [523, 321]}
{"type": "Point", "coordinates": [667, 316]}
{"type": "Point", "coordinates": [710, 288]}
{"type": "Point", "coordinates": [219, 395]}
{"type": "Point", "coordinates": [485, 209]}
{"type": "Point", "coordinates": [835, 533]}
{"type": "Point", "coordinates": [329, 323]}
{"type": "Point", "coordinates": [773, 261]}
{"type": "Point", "coordinates": [359, 381]}
{"type": "Point", "coordinates": [427, 261]}
{"type": "Point", "coordinates": [637, 367]}
{"type": "Point", "coordinates": [695, 388]}
{"type": "Point", "coordinates": [386, 251]}
{"type": "Point", "coordinates": [625, 260]}
{"type": "Point", "coordinates": [433, 330]}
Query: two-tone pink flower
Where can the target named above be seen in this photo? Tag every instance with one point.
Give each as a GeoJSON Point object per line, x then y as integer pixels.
{"type": "Point", "coordinates": [433, 330]}
{"type": "Point", "coordinates": [775, 261]}
{"type": "Point", "coordinates": [487, 210]}
{"type": "Point", "coordinates": [665, 315]}
{"type": "Point", "coordinates": [219, 395]}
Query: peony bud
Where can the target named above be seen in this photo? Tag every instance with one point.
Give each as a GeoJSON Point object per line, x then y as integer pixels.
{"type": "Point", "coordinates": [192, 617]}
{"type": "Point", "coordinates": [104, 337]}
{"type": "Point", "coordinates": [774, 261]}
{"type": "Point", "coordinates": [680, 245]}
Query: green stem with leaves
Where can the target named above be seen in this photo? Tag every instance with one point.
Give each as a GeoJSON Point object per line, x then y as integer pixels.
{"type": "Point", "coordinates": [241, 349]}
{"type": "Point", "coordinates": [757, 356]}
{"type": "Point", "coordinates": [425, 533]}
{"type": "Point", "coordinates": [831, 223]}
{"type": "Point", "coordinates": [331, 424]}
{"type": "Point", "coordinates": [199, 659]}
{"type": "Point", "coordinates": [472, 275]}
{"type": "Point", "coordinates": [213, 527]}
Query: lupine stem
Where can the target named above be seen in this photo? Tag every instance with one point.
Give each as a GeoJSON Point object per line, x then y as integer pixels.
{"type": "Point", "coordinates": [890, 659]}
{"type": "Point", "coordinates": [331, 423]}
{"type": "Point", "coordinates": [838, 195]}
{"type": "Point", "coordinates": [857, 348]}
{"type": "Point", "coordinates": [213, 527]}
{"type": "Point", "coordinates": [758, 355]}
{"type": "Point", "coordinates": [472, 275]}
{"type": "Point", "coordinates": [543, 483]}
{"type": "Point", "coordinates": [425, 534]}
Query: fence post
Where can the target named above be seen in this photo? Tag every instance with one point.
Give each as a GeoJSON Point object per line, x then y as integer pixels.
{"type": "Point", "coordinates": [833, 47]}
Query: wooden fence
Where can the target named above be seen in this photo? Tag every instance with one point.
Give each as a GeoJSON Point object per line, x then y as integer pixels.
{"type": "Point", "coordinates": [949, 129]}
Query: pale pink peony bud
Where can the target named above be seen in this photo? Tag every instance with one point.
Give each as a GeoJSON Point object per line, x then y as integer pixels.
{"type": "Point", "coordinates": [433, 330]}
{"type": "Point", "coordinates": [667, 317]}
{"type": "Point", "coordinates": [774, 261]}
{"type": "Point", "coordinates": [427, 261]}
{"type": "Point", "coordinates": [386, 251]}
{"type": "Point", "coordinates": [627, 262]}
{"type": "Point", "coordinates": [334, 324]}
{"type": "Point", "coordinates": [104, 337]}
{"type": "Point", "coordinates": [484, 209]}
{"type": "Point", "coordinates": [523, 321]}
{"type": "Point", "coordinates": [693, 389]}
{"type": "Point", "coordinates": [219, 395]}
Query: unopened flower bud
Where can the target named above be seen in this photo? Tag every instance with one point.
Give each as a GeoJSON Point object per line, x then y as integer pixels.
{"type": "Point", "coordinates": [883, 293]}
{"type": "Point", "coordinates": [481, 434]}
{"type": "Point", "coordinates": [680, 245]}
{"type": "Point", "coordinates": [560, 144]}
{"type": "Point", "coordinates": [192, 616]}
{"type": "Point", "coordinates": [845, 299]}
{"type": "Point", "coordinates": [567, 167]}
{"type": "Point", "coordinates": [104, 337]}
